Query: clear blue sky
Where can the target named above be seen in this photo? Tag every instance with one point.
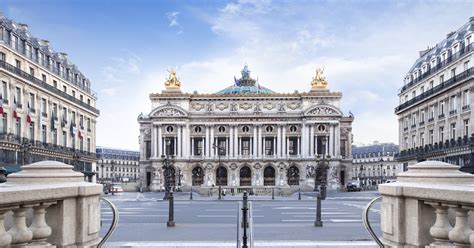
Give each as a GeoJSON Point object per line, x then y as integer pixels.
{"type": "Point", "coordinates": [125, 48]}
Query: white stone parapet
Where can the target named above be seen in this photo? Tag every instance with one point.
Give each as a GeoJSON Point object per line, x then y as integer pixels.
{"type": "Point", "coordinates": [65, 210]}
{"type": "Point", "coordinates": [429, 205]}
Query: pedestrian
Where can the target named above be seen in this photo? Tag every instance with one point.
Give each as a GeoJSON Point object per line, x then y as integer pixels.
{"type": "Point", "coordinates": [3, 175]}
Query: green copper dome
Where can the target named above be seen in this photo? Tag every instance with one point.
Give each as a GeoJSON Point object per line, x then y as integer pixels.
{"type": "Point", "coordinates": [245, 85]}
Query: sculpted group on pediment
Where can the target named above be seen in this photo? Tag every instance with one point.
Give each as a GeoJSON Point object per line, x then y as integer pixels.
{"type": "Point", "coordinates": [323, 110]}
{"type": "Point", "coordinates": [169, 112]}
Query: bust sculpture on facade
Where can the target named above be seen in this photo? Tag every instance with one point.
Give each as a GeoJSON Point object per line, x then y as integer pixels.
{"type": "Point", "coordinates": [319, 80]}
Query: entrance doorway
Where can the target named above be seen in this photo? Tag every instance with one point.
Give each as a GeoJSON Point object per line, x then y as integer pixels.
{"type": "Point", "coordinates": [269, 176]}
{"type": "Point", "coordinates": [198, 176]}
{"type": "Point", "coordinates": [293, 175]}
{"type": "Point", "coordinates": [221, 176]}
{"type": "Point", "coordinates": [245, 176]}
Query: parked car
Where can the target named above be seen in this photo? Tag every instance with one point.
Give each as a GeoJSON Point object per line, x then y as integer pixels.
{"type": "Point", "coordinates": [352, 187]}
{"type": "Point", "coordinates": [116, 189]}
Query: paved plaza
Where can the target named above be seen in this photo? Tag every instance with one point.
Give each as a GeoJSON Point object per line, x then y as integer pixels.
{"type": "Point", "coordinates": [208, 222]}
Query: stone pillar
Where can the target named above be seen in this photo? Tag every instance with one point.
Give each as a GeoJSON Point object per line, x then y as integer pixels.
{"type": "Point", "coordinates": [160, 141]}
{"type": "Point", "coordinates": [231, 141]}
{"type": "Point", "coordinates": [284, 149]}
{"type": "Point", "coordinates": [331, 140]}
{"type": "Point", "coordinates": [206, 142]}
{"type": "Point", "coordinates": [303, 139]}
{"type": "Point", "coordinates": [274, 146]}
{"type": "Point", "coordinates": [236, 141]}
{"type": "Point", "coordinates": [255, 141]}
{"type": "Point", "coordinates": [311, 141]}
{"type": "Point", "coordinates": [192, 147]}
{"type": "Point", "coordinates": [179, 147]}
{"type": "Point", "coordinates": [278, 152]}
{"type": "Point", "coordinates": [212, 151]}
{"type": "Point", "coordinates": [153, 141]}
{"type": "Point", "coordinates": [338, 140]}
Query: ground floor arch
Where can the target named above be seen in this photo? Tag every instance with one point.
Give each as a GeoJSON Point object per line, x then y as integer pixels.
{"type": "Point", "coordinates": [269, 176]}
{"type": "Point", "coordinates": [245, 176]}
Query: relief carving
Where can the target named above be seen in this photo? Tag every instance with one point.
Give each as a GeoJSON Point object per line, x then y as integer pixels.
{"type": "Point", "coordinates": [323, 111]}
{"type": "Point", "coordinates": [169, 112]}
{"type": "Point", "coordinates": [269, 106]}
{"type": "Point", "coordinates": [197, 106]}
{"type": "Point", "coordinates": [221, 106]}
{"type": "Point", "coordinates": [245, 106]}
{"type": "Point", "coordinates": [294, 105]}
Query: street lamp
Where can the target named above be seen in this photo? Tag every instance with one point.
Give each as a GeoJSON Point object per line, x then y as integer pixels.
{"type": "Point", "coordinates": [361, 175]}
{"type": "Point", "coordinates": [219, 149]}
{"type": "Point", "coordinates": [322, 169]}
{"type": "Point", "coordinates": [180, 175]}
{"type": "Point", "coordinates": [102, 166]}
{"type": "Point", "coordinates": [113, 175]}
{"type": "Point", "coordinates": [381, 169]}
{"type": "Point", "coordinates": [24, 148]}
{"type": "Point", "coordinates": [167, 163]}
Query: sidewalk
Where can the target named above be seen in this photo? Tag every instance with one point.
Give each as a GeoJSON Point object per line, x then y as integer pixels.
{"type": "Point", "coordinates": [261, 244]}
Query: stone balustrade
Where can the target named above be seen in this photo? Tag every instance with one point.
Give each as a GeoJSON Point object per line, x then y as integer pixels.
{"type": "Point", "coordinates": [49, 204]}
{"type": "Point", "coordinates": [430, 205]}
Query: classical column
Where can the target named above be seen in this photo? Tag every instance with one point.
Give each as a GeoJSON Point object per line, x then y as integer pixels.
{"type": "Point", "coordinates": [186, 141]}
{"type": "Point", "coordinates": [299, 146]}
{"type": "Point", "coordinates": [211, 148]}
{"type": "Point", "coordinates": [284, 149]}
{"type": "Point", "coordinates": [179, 148]}
{"type": "Point", "coordinates": [236, 141]}
{"type": "Point", "coordinates": [303, 139]}
{"type": "Point", "coordinates": [153, 141]}
{"type": "Point", "coordinates": [206, 143]}
{"type": "Point", "coordinates": [192, 147]}
{"type": "Point", "coordinates": [278, 143]}
{"type": "Point", "coordinates": [311, 141]}
{"type": "Point", "coordinates": [264, 146]}
{"type": "Point", "coordinates": [240, 147]}
{"type": "Point", "coordinates": [255, 139]}
{"type": "Point", "coordinates": [338, 140]}
{"type": "Point", "coordinates": [274, 146]}
{"type": "Point", "coordinates": [231, 141]}
{"type": "Point", "coordinates": [160, 141]}
{"type": "Point", "coordinates": [331, 140]}
{"type": "Point", "coordinates": [259, 142]}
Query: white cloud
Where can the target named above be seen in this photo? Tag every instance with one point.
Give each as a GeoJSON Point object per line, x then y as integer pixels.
{"type": "Point", "coordinates": [119, 67]}
{"type": "Point", "coordinates": [173, 19]}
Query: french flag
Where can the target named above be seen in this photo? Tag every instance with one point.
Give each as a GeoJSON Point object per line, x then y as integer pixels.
{"type": "Point", "coordinates": [15, 114]}
{"type": "Point", "coordinates": [28, 117]}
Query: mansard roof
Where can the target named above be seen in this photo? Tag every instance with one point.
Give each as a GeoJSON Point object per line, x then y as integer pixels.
{"type": "Point", "coordinates": [453, 37]}
{"type": "Point", "coordinates": [254, 89]}
{"type": "Point", "coordinates": [22, 32]}
{"type": "Point", "coordinates": [245, 95]}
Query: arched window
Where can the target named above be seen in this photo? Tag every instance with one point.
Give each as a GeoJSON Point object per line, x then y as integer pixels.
{"type": "Point", "coordinates": [198, 176]}
{"type": "Point", "coordinates": [245, 176]}
{"type": "Point", "coordinates": [269, 176]}
{"type": "Point", "coordinates": [293, 175]}
{"type": "Point", "coordinates": [221, 176]}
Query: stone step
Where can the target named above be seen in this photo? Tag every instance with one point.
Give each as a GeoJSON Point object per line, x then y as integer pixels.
{"type": "Point", "coordinates": [260, 244]}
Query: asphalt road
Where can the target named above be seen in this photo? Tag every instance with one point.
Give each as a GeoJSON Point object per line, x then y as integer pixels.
{"type": "Point", "coordinates": [143, 218]}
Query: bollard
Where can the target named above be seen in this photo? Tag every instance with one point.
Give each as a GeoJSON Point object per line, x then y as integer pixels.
{"type": "Point", "coordinates": [170, 222]}
{"type": "Point", "coordinates": [299, 194]}
{"type": "Point", "coordinates": [273, 193]}
{"type": "Point", "coordinates": [244, 221]}
{"type": "Point", "coordinates": [318, 222]}
{"type": "Point", "coordinates": [191, 194]}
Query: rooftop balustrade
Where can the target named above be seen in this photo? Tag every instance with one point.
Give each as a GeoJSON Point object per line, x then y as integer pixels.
{"type": "Point", "coordinates": [430, 205]}
{"type": "Point", "coordinates": [48, 203]}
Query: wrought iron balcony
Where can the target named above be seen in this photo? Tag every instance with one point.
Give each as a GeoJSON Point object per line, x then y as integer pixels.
{"type": "Point", "coordinates": [437, 89]}
{"type": "Point", "coordinates": [452, 112]}
{"type": "Point", "coordinates": [422, 123]}
{"type": "Point", "coordinates": [44, 114]}
{"type": "Point", "coordinates": [6, 66]}
{"type": "Point", "coordinates": [439, 66]}
{"type": "Point", "coordinates": [466, 107]}
{"type": "Point", "coordinates": [441, 116]}
{"type": "Point", "coordinates": [431, 119]}
{"type": "Point", "coordinates": [422, 151]}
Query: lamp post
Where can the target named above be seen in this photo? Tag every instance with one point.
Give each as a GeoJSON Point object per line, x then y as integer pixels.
{"type": "Point", "coordinates": [112, 175]}
{"type": "Point", "coordinates": [76, 158]}
{"type": "Point", "coordinates": [361, 175]}
{"type": "Point", "coordinates": [219, 149]}
{"type": "Point", "coordinates": [102, 166]}
{"type": "Point", "coordinates": [24, 149]}
{"type": "Point", "coordinates": [180, 175]}
{"type": "Point", "coordinates": [322, 169]}
{"type": "Point", "coordinates": [167, 163]}
{"type": "Point", "coordinates": [381, 169]}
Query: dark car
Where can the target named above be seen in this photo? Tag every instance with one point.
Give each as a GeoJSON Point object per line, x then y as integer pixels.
{"type": "Point", "coordinates": [352, 187]}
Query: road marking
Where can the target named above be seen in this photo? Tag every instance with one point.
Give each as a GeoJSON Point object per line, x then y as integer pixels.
{"type": "Point", "coordinates": [361, 207]}
{"type": "Point", "coordinates": [225, 216]}
{"type": "Point", "coordinates": [226, 210]}
{"type": "Point", "coordinates": [260, 243]}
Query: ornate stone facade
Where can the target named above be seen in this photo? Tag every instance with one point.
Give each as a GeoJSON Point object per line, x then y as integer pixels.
{"type": "Point", "coordinates": [244, 136]}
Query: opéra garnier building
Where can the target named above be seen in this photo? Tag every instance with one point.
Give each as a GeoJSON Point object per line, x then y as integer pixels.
{"type": "Point", "coordinates": [245, 136]}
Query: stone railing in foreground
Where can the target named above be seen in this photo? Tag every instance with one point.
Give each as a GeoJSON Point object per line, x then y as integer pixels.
{"type": "Point", "coordinates": [47, 203]}
{"type": "Point", "coordinates": [430, 205]}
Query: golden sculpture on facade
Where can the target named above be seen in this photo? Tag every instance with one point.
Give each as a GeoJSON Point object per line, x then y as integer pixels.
{"type": "Point", "coordinates": [172, 82]}
{"type": "Point", "coordinates": [319, 81]}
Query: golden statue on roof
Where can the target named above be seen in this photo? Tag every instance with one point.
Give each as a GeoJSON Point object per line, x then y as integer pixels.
{"type": "Point", "coordinates": [319, 80]}
{"type": "Point", "coordinates": [172, 82]}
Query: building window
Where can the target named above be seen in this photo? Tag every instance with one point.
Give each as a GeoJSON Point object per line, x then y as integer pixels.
{"type": "Point", "coordinates": [453, 73]}
{"type": "Point", "coordinates": [64, 89]}
{"type": "Point", "coordinates": [32, 71]}
{"type": "Point", "coordinates": [88, 145]}
{"type": "Point", "coordinates": [169, 129]}
{"type": "Point", "coordinates": [293, 128]}
{"type": "Point", "coordinates": [3, 124]}
{"type": "Point", "coordinates": [43, 133]}
{"type": "Point", "coordinates": [55, 84]}
{"type": "Point", "coordinates": [245, 146]}
{"type": "Point", "coordinates": [2, 56]}
{"type": "Point", "coordinates": [18, 64]}
{"type": "Point", "coordinates": [431, 84]}
{"type": "Point", "coordinates": [73, 94]}
{"type": "Point", "coordinates": [269, 129]}
{"type": "Point", "coordinates": [441, 108]}
{"type": "Point", "coordinates": [466, 127]}
{"type": "Point", "coordinates": [245, 129]}
{"type": "Point", "coordinates": [197, 129]}
{"type": "Point", "coordinates": [88, 124]}
{"type": "Point", "coordinates": [422, 90]}
{"type": "Point", "coordinates": [18, 127]}
{"type": "Point", "coordinates": [222, 146]}
{"type": "Point", "coordinates": [64, 138]}
{"type": "Point", "coordinates": [413, 139]}
{"type": "Point", "coordinates": [441, 79]}
{"type": "Point", "coordinates": [18, 97]}
{"type": "Point", "coordinates": [452, 103]}
{"type": "Point", "coordinates": [465, 98]}
{"type": "Point", "coordinates": [31, 103]}
{"type": "Point", "coordinates": [43, 77]}
{"type": "Point", "coordinates": [89, 102]}
{"type": "Point", "coordinates": [293, 146]}
{"type": "Point", "coordinates": [54, 136]}
{"type": "Point", "coordinates": [81, 97]}
{"type": "Point", "coordinates": [198, 144]}
{"type": "Point", "coordinates": [268, 146]}
{"type": "Point", "coordinates": [466, 65]}
{"type": "Point", "coordinates": [221, 129]}
{"type": "Point", "coordinates": [422, 116]}
{"type": "Point", "coordinates": [441, 134]}
{"type": "Point", "coordinates": [453, 130]}
{"type": "Point", "coordinates": [431, 136]}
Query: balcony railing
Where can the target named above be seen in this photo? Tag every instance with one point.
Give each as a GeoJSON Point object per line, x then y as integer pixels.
{"type": "Point", "coordinates": [452, 112]}
{"type": "Point", "coordinates": [423, 151]}
{"type": "Point", "coordinates": [438, 88]}
{"type": "Point", "coordinates": [56, 208]}
{"type": "Point", "coordinates": [466, 107]}
{"type": "Point", "coordinates": [431, 119]}
{"type": "Point", "coordinates": [429, 206]}
{"type": "Point", "coordinates": [44, 85]}
{"type": "Point", "coordinates": [441, 116]}
{"type": "Point", "coordinates": [451, 59]}
{"type": "Point", "coordinates": [422, 123]}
